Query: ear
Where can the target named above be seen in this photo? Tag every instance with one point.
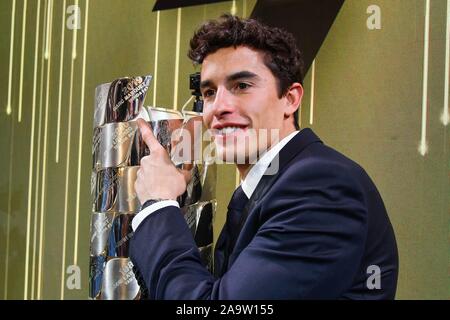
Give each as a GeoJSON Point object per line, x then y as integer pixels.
{"type": "Point", "coordinates": [293, 97]}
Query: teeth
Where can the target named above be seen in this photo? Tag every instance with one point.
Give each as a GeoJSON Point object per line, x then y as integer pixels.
{"type": "Point", "coordinates": [228, 130]}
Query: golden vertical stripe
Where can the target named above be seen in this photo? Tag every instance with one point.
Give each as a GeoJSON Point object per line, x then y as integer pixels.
{"type": "Point", "coordinates": [63, 25]}
{"type": "Point", "coordinates": [313, 82]}
{"type": "Point", "coordinates": [47, 31]}
{"type": "Point", "coordinates": [38, 166]}
{"type": "Point", "coordinates": [61, 67]}
{"type": "Point", "coordinates": [244, 9]}
{"type": "Point", "coordinates": [238, 178]}
{"type": "Point", "coordinates": [8, 224]}
{"type": "Point", "coordinates": [80, 137]}
{"type": "Point", "coordinates": [423, 147]}
{"type": "Point", "coordinates": [44, 158]}
{"type": "Point", "coordinates": [177, 60]}
{"type": "Point", "coordinates": [74, 44]}
{"type": "Point", "coordinates": [155, 74]}
{"type": "Point", "coordinates": [233, 9]}
{"type": "Point", "coordinates": [445, 117]}
{"type": "Point", "coordinates": [8, 112]}
{"type": "Point", "coordinates": [66, 188]}
{"type": "Point", "coordinates": [31, 164]}
{"type": "Point", "coordinates": [22, 55]}
{"type": "Point", "coordinates": [11, 57]}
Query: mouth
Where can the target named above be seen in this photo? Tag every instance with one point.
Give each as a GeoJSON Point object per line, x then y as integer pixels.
{"type": "Point", "coordinates": [229, 131]}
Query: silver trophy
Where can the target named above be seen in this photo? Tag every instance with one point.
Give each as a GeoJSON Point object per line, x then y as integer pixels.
{"type": "Point", "coordinates": [117, 149]}
{"type": "Point", "coordinates": [199, 217]}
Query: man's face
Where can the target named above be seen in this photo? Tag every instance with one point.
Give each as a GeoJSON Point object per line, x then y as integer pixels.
{"type": "Point", "coordinates": [241, 103]}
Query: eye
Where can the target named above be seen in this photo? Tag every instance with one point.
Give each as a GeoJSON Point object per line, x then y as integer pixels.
{"type": "Point", "coordinates": [243, 86]}
{"type": "Point", "coordinates": [208, 93]}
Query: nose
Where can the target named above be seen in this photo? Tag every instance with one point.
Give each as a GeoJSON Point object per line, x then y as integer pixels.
{"type": "Point", "coordinates": [223, 103]}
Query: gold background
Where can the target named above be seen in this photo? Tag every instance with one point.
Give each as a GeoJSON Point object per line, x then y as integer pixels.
{"type": "Point", "coordinates": [364, 97]}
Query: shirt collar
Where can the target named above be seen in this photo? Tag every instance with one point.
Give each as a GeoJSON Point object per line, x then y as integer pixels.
{"type": "Point", "coordinates": [257, 171]}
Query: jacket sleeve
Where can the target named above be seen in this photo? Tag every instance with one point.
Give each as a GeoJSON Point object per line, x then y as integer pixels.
{"type": "Point", "coordinates": [313, 225]}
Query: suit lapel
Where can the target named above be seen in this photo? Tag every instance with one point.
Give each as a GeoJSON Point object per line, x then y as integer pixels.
{"type": "Point", "coordinates": [297, 144]}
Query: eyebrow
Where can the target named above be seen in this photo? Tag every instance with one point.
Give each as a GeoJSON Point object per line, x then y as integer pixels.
{"type": "Point", "coordinates": [205, 84]}
{"type": "Point", "coordinates": [241, 75]}
{"type": "Point", "coordinates": [232, 77]}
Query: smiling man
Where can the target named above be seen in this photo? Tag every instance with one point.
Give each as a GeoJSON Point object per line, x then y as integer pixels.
{"type": "Point", "coordinates": [314, 228]}
{"type": "Point", "coordinates": [246, 107]}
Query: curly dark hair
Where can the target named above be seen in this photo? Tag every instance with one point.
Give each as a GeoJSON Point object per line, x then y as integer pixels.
{"type": "Point", "coordinates": [281, 54]}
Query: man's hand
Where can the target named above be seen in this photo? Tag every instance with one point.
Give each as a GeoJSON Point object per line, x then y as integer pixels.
{"type": "Point", "coordinates": [157, 178]}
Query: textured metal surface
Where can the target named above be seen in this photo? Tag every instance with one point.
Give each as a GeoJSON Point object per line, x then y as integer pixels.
{"type": "Point", "coordinates": [117, 150]}
{"type": "Point", "coordinates": [120, 235]}
{"type": "Point", "coordinates": [114, 190]}
{"type": "Point", "coordinates": [121, 100]}
{"type": "Point", "coordinates": [96, 268]}
{"type": "Point", "coordinates": [101, 98]}
{"type": "Point", "coordinates": [193, 191]}
{"type": "Point", "coordinates": [101, 224]}
{"type": "Point", "coordinates": [200, 219]}
{"type": "Point", "coordinates": [118, 145]}
{"type": "Point", "coordinates": [119, 282]}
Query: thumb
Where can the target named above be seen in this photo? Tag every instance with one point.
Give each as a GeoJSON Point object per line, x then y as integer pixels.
{"type": "Point", "coordinates": [147, 135]}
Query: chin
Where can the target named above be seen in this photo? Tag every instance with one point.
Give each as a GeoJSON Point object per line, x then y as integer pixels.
{"type": "Point", "coordinates": [237, 154]}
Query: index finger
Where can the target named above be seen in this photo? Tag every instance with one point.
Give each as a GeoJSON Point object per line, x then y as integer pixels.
{"type": "Point", "coordinates": [147, 135]}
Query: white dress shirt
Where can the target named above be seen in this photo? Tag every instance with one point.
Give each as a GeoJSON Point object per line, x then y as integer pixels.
{"type": "Point", "coordinates": [248, 184]}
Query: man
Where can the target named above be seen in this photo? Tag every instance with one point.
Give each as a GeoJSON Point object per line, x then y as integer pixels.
{"type": "Point", "coordinates": [316, 229]}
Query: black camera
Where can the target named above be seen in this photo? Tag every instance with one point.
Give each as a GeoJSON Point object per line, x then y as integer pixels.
{"type": "Point", "coordinates": [194, 85]}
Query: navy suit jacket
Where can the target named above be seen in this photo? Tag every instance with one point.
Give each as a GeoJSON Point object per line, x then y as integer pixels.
{"type": "Point", "coordinates": [317, 229]}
